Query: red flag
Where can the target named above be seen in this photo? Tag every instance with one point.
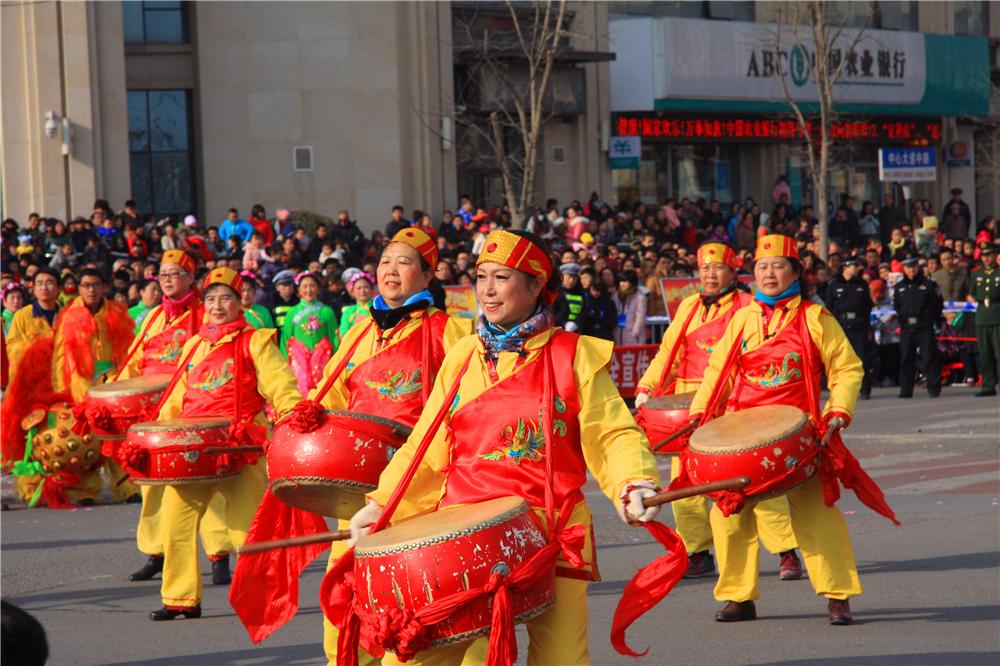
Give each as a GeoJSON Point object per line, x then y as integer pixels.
{"type": "Point", "coordinates": [265, 587]}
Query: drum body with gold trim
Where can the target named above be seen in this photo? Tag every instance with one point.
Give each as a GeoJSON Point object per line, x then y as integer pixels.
{"type": "Point", "coordinates": [329, 470]}
{"type": "Point", "coordinates": [172, 451]}
{"type": "Point", "coordinates": [767, 444]}
{"type": "Point", "coordinates": [662, 416]}
{"type": "Point", "coordinates": [409, 565]}
{"type": "Point", "coordinates": [122, 404]}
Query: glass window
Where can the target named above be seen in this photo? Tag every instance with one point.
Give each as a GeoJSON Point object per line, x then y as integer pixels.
{"type": "Point", "coordinates": [161, 162]}
{"type": "Point", "coordinates": [155, 22]}
{"type": "Point", "coordinates": [897, 16]}
{"type": "Point", "coordinates": [971, 18]}
{"type": "Point", "coordinates": [705, 171]}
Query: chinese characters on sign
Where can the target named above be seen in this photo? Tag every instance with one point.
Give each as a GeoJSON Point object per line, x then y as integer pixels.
{"type": "Point", "coordinates": [628, 363]}
{"type": "Point", "coordinates": [907, 165]}
{"type": "Point", "coordinates": [652, 126]}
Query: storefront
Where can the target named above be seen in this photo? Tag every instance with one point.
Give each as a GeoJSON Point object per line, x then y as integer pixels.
{"type": "Point", "coordinates": [706, 100]}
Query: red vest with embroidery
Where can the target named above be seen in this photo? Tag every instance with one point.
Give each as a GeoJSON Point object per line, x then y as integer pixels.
{"type": "Point", "coordinates": [498, 438]}
{"type": "Point", "coordinates": [390, 383]}
{"type": "Point", "coordinates": [162, 352]}
{"type": "Point", "coordinates": [700, 342]}
{"type": "Point", "coordinates": [775, 372]}
{"type": "Point", "coordinates": [211, 383]}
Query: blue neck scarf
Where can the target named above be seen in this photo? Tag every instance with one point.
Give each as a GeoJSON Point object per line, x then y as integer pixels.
{"type": "Point", "coordinates": [496, 340]}
{"type": "Point", "coordinates": [794, 290]}
{"type": "Point", "coordinates": [425, 295]}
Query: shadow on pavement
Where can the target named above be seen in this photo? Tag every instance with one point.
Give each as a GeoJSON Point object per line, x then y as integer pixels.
{"type": "Point", "coordinates": [884, 615]}
{"type": "Point", "coordinates": [984, 560]}
{"type": "Point", "coordinates": [65, 543]}
{"type": "Point", "coordinates": [927, 658]}
{"type": "Point", "coordinates": [306, 653]}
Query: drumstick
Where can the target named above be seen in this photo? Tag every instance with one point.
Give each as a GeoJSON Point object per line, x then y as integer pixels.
{"type": "Point", "coordinates": [836, 423]}
{"type": "Point", "coordinates": [220, 450]}
{"type": "Point", "coordinates": [690, 427]}
{"type": "Point", "coordinates": [705, 488]}
{"type": "Point", "coordinates": [304, 540]}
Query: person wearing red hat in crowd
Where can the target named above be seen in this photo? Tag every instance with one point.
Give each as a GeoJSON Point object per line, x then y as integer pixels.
{"type": "Point", "coordinates": [156, 350]}
{"type": "Point", "coordinates": [227, 369]}
{"type": "Point", "coordinates": [678, 367]}
{"type": "Point", "coordinates": [773, 352]}
{"type": "Point", "coordinates": [486, 452]}
{"type": "Point", "coordinates": [385, 366]}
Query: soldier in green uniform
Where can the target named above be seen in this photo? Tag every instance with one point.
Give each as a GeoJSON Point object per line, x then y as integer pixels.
{"type": "Point", "coordinates": [985, 291]}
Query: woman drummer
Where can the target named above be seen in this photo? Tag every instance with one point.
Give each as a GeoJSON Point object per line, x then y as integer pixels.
{"type": "Point", "coordinates": [493, 441]}
{"type": "Point", "coordinates": [228, 369]}
{"type": "Point", "coordinates": [687, 345]}
{"type": "Point", "coordinates": [395, 354]}
{"type": "Point", "coordinates": [776, 345]}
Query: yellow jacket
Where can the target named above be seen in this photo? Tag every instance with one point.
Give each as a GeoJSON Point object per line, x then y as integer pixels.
{"type": "Point", "coordinates": [25, 330]}
{"type": "Point", "coordinates": [844, 371]}
{"type": "Point", "coordinates": [614, 448]}
{"type": "Point", "coordinates": [702, 316]}
{"type": "Point", "coordinates": [275, 381]}
{"type": "Point", "coordinates": [337, 397]}
{"type": "Point", "coordinates": [114, 330]}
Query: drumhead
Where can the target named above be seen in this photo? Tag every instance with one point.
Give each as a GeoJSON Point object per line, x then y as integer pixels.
{"type": "Point", "coordinates": [448, 523]}
{"type": "Point", "coordinates": [401, 429]}
{"type": "Point", "coordinates": [747, 428]}
{"type": "Point", "coordinates": [173, 425]}
{"type": "Point", "coordinates": [675, 401]}
{"type": "Point", "coordinates": [134, 386]}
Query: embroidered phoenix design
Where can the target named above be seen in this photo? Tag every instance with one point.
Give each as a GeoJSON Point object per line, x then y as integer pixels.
{"type": "Point", "coordinates": [397, 386]}
{"type": "Point", "coordinates": [774, 376]}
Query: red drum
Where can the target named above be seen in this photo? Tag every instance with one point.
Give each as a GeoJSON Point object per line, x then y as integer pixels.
{"type": "Point", "coordinates": [329, 470]}
{"type": "Point", "coordinates": [663, 416]}
{"type": "Point", "coordinates": [111, 408]}
{"type": "Point", "coordinates": [409, 565]}
{"type": "Point", "coordinates": [767, 444]}
{"type": "Point", "coordinates": [171, 451]}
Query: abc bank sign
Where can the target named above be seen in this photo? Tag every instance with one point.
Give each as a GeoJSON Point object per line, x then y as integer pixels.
{"type": "Point", "coordinates": [719, 60]}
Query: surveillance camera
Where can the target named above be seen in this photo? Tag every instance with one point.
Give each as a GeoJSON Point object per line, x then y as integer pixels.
{"type": "Point", "coordinates": [51, 126]}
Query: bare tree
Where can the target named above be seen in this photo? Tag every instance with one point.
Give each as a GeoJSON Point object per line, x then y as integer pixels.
{"type": "Point", "coordinates": [813, 27]}
{"type": "Point", "coordinates": [506, 98]}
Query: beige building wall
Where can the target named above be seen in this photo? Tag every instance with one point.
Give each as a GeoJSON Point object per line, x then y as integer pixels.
{"type": "Point", "coordinates": [359, 82]}
{"type": "Point", "coordinates": [60, 57]}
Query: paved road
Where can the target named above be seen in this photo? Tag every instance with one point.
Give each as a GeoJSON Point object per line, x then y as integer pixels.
{"type": "Point", "coordinates": [932, 587]}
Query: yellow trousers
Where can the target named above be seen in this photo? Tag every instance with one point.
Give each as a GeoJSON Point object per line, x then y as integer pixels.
{"type": "Point", "coordinates": [330, 632]}
{"type": "Point", "coordinates": [182, 508]}
{"type": "Point", "coordinates": [213, 530]}
{"type": "Point", "coordinates": [822, 537]}
{"type": "Point", "coordinates": [557, 636]}
{"type": "Point", "coordinates": [691, 515]}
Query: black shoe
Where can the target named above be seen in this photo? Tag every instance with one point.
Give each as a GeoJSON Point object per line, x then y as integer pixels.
{"type": "Point", "coordinates": [906, 395]}
{"type": "Point", "coordinates": [866, 396]}
{"type": "Point", "coordinates": [737, 611]}
{"type": "Point", "coordinates": [985, 392]}
{"type": "Point", "coordinates": [135, 498]}
{"type": "Point", "coordinates": [700, 564]}
{"type": "Point", "coordinates": [220, 572]}
{"type": "Point", "coordinates": [170, 614]}
{"type": "Point", "coordinates": [87, 501]}
{"type": "Point", "coordinates": [934, 394]}
{"type": "Point", "coordinates": [153, 566]}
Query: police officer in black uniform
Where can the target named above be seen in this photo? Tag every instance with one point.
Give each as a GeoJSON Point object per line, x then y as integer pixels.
{"type": "Point", "coordinates": [918, 304]}
{"type": "Point", "coordinates": [568, 307]}
{"type": "Point", "coordinates": [848, 298]}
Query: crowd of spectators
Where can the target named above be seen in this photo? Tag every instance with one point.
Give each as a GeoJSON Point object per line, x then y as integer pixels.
{"type": "Point", "coordinates": [612, 257]}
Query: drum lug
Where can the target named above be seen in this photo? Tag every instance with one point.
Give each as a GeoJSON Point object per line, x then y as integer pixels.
{"type": "Point", "coordinates": [192, 456]}
{"type": "Point", "coordinates": [501, 568]}
{"type": "Point", "coordinates": [390, 451]}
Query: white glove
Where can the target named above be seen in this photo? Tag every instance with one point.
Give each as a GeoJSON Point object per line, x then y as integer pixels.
{"type": "Point", "coordinates": [641, 399]}
{"type": "Point", "coordinates": [362, 521]}
{"type": "Point", "coordinates": [631, 508]}
{"type": "Point", "coordinates": [571, 327]}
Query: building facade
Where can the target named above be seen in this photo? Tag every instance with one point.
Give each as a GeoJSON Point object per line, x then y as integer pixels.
{"type": "Point", "coordinates": [698, 83]}
{"type": "Point", "coordinates": [198, 107]}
